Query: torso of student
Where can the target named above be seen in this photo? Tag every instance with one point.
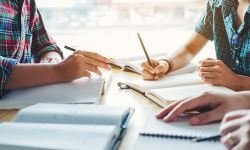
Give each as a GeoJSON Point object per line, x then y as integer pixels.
{"type": "Point", "coordinates": [219, 23]}
{"type": "Point", "coordinates": [16, 23]}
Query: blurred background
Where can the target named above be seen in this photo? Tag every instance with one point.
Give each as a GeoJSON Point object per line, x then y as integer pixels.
{"type": "Point", "coordinates": [110, 26]}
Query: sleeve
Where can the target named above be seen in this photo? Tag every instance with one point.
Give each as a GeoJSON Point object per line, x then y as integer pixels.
{"type": "Point", "coordinates": [7, 65]}
{"type": "Point", "coordinates": [204, 24]}
{"type": "Point", "coordinates": [41, 42]}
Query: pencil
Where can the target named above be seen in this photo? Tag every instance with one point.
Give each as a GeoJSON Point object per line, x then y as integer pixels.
{"type": "Point", "coordinates": [211, 138]}
{"type": "Point", "coordinates": [69, 48]}
{"type": "Point", "coordinates": [144, 49]}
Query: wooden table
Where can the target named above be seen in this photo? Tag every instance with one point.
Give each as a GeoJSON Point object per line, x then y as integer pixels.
{"type": "Point", "coordinates": [116, 97]}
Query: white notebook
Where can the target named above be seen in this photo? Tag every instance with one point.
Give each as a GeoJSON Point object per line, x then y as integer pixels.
{"type": "Point", "coordinates": [80, 91]}
{"type": "Point", "coordinates": [66, 126]}
{"type": "Point", "coordinates": [177, 135]}
{"type": "Point", "coordinates": [30, 136]}
{"type": "Point", "coordinates": [172, 88]}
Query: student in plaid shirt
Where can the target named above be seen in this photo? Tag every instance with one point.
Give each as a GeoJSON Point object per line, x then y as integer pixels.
{"type": "Point", "coordinates": [227, 23]}
{"type": "Point", "coordinates": [26, 50]}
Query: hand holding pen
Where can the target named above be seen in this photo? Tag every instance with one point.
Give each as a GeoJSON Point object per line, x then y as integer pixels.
{"type": "Point", "coordinates": [80, 64]}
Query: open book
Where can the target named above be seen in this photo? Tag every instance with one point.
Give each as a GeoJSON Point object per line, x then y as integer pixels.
{"type": "Point", "coordinates": [172, 88]}
{"type": "Point", "coordinates": [133, 64]}
{"type": "Point", "coordinates": [178, 135]}
{"type": "Point", "coordinates": [66, 126]}
{"type": "Point", "coordinates": [80, 91]}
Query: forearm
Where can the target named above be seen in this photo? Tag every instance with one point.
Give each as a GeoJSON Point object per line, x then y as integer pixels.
{"type": "Point", "coordinates": [28, 75]}
{"type": "Point", "coordinates": [186, 53]}
{"type": "Point", "coordinates": [242, 83]}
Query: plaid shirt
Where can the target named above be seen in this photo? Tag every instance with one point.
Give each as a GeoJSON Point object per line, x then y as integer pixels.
{"type": "Point", "coordinates": [23, 38]}
{"type": "Point", "coordinates": [218, 24]}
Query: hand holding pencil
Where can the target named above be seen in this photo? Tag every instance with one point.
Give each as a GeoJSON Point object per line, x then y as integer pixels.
{"type": "Point", "coordinates": [80, 64]}
{"type": "Point", "coordinates": [152, 69]}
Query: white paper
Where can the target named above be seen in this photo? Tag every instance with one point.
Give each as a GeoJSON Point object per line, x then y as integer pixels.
{"type": "Point", "coordinates": [23, 136]}
{"type": "Point", "coordinates": [84, 90]}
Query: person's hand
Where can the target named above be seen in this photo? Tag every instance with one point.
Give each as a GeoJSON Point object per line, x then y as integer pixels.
{"type": "Point", "coordinates": [50, 57]}
{"type": "Point", "coordinates": [215, 72]}
{"type": "Point", "coordinates": [80, 64]}
{"type": "Point", "coordinates": [158, 70]}
{"type": "Point", "coordinates": [212, 107]}
{"type": "Point", "coordinates": [235, 130]}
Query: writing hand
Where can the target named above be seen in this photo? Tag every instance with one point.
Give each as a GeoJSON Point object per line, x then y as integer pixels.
{"type": "Point", "coordinates": [80, 64]}
{"type": "Point", "coordinates": [155, 72]}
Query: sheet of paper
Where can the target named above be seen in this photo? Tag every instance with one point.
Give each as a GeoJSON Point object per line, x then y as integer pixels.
{"type": "Point", "coordinates": [149, 143]}
{"type": "Point", "coordinates": [73, 114]}
{"type": "Point", "coordinates": [182, 92]}
{"type": "Point", "coordinates": [23, 136]}
{"type": "Point", "coordinates": [84, 90]}
{"type": "Point", "coordinates": [168, 81]}
{"type": "Point", "coordinates": [180, 126]}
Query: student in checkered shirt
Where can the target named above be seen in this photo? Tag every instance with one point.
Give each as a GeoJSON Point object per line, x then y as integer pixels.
{"type": "Point", "coordinates": [30, 57]}
{"type": "Point", "coordinates": [227, 23]}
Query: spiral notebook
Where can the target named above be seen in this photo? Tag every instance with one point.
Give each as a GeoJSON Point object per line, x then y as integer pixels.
{"type": "Point", "coordinates": [179, 129]}
{"type": "Point", "coordinates": [158, 134]}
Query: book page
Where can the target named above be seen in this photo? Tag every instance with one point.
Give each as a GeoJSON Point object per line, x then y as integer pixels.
{"type": "Point", "coordinates": [84, 90]}
{"type": "Point", "coordinates": [150, 143]}
{"type": "Point", "coordinates": [179, 127]}
{"type": "Point", "coordinates": [23, 136]}
{"type": "Point", "coordinates": [166, 95]}
{"type": "Point", "coordinates": [167, 81]}
{"type": "Point", "coordinates": [74, 114]}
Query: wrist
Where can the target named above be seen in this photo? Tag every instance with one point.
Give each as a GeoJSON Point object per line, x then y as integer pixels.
{"type": "Point", "coordinates": [59, 72]}
{"type": "Point", "coordinates": [237, 83]}
{"type": "Point", "coordinates": [168, 63]}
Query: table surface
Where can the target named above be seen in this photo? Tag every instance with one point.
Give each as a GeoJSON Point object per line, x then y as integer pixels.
{"type": "Point", "coordinates": [116, 97]}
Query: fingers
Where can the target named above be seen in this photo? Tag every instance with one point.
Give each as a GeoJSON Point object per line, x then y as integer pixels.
{"type": "Point", "coordinates": [231, 139]}
{"type": "Point", "coordinates": [85, 73]}
{"type": "Point", "coordinates": [154, 72]}
{"type": "Point", "coordinates": [234, 115]}
{"type": "Point", "coordinates": [230, 126]}
{"type": "Point", "coordinates": [211, 63]}
{"type": "Point", "coordinates": [186, 105]}
{"type": "Point", "coordinates": [86, 66]}
{"type": "Point", "coordinates": [166, 110]}
{"type": "Point", "coordinates": [96, 63]}
{"type": "Point", "coordinates": [95, 56]}
{"type": "Point", "coordinates": [148, 68]}
{"type": "Point", "coordinates": [207, 117]}
{"type": "Point", "coordinates": [148, 76]}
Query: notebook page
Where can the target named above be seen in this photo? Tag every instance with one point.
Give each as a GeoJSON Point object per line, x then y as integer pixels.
{"type": "Point", "coordinates": [167, 95]}
{"type": "Point", "coordinates": [84, 90]}
{"type": "Point", "coordinates": [73, 114]}
{"type": "Point", "coordinates": [150, 143]}
{"type": "Point", "coordinates": [179, 127]}
{"type": "Point", "coordinates": [23, 136]}
{"type": "Point", "coordinates": [167, 81]}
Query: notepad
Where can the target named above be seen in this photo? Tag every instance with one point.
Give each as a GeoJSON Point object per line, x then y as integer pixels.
{"type": "Point", "coordinates": [133, 64]}
{"type": "Point", "coordinates": [177, 135]}
{"type": "Point", "coordinates": [66, 126]}
{"type": "Point", "coordinates": [80, 91]}
{"type": "Point", "coordinates": [173, 88]}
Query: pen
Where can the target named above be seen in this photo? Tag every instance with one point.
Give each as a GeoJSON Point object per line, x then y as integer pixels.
{"type": "Point", "coordinates": [69, 48]}
{"type": "Point", "coordinates": [211, 138]}
{"type": "Point", "coordinates": [144, 49]}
